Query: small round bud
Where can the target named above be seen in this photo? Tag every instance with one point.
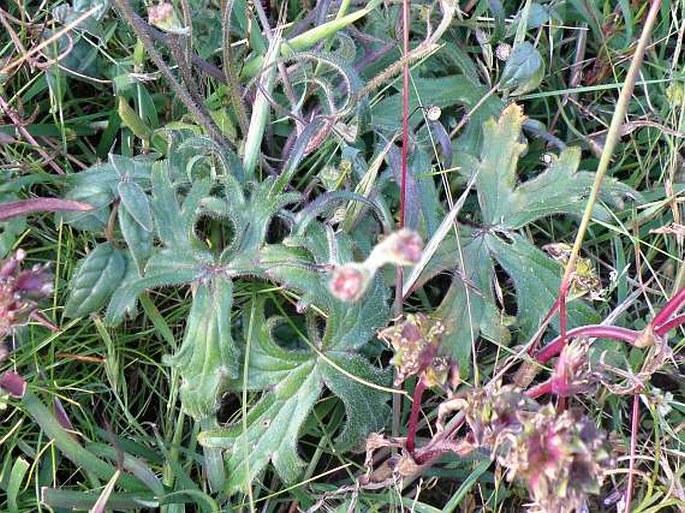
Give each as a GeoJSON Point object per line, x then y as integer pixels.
{"type": "Point", "coordinates": [349, 282]}
{"type": "Point", "coordinates": [503, 51]}
{"type": "Point", "coordinates": [433, 113]}
{"type": "Point", "coordinates": [404, 247]}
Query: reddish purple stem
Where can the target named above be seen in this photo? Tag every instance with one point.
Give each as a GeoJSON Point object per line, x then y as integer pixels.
{"type": "Point", "coordinates": [595, 331]}
{"type": "Point", "coordinates": [669, 325]}
{"type": "Point", "coordinates": [539, 390]}
{"type": "Point", "coordinates": [11, 209]}
{"type": "Point", "coordinates": [671, 307]}
{"type": "Point", "coordinates": [414, 415]}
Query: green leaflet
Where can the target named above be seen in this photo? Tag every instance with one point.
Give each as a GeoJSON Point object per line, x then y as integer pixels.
{"type": "Point", "coordinates": [273, 426]}
{"type": "Point", "coordinates": [439, 92]}
{"type": "Point", "coordinates": [207, 357]}
{"type": "Point", "coordinates": [97, 276]}
{"type": "Point", "coordinates": [366, 408]}
{"type": "Point", "coordinates": [536, 280]}
{"type": "Point", "coordinates": [506, 206]}
{"type": "Point", "coordinates": [136, 202]}
{"type": "Point", "coordinates": [469, 306]}
{"type": "Point", "coordinates": [137, 239]}
{"type": "Point", "coordinates": [100, 196]}
{"type": "Point", "coordinates": [164, 268]}
{"type": "Point", "coordinates": [524, 70]}
{"type": "Point", "coordinates": [560, 189]}
{"type": "Point", "coordinates": [294, 380]}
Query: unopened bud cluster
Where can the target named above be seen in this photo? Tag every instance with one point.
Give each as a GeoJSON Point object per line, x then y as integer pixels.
{"type": "Point", "coordinates": [350, 281]}
{"type": "Point", "coordinates": [20, 290]}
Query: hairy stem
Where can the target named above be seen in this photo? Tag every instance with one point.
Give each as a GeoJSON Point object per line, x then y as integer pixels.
{"type": "Point", "coordinates": [234, 89]}
{"type": "Point", "coordinates": [197, 109]}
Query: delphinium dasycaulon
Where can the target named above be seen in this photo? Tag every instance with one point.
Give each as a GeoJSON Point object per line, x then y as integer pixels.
{"type": "Point", "coordinates": [191, 220]}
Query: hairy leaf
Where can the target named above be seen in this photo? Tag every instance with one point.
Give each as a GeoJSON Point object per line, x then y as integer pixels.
{"type": "Point", "coordinates": [136, 202]}
{"type": "Point", "coordinates": [524, 70]}
{"type": "Point", "coordinates": [469, 306]}
{"type": "Point", "coordinates": [367, 409]}
{"type": "Point", "coordinates": [536, 279]}
{"type": "Point", "coordinates": [138, 240]}
{"type": "Point", "coordinates": [294, 379]}
{"type": "Point", "coordinates": [97, 276]}
{"type": "Point", "coordinates": [164, 268]}
{"type": "Point", "coordinates": [207, 357]}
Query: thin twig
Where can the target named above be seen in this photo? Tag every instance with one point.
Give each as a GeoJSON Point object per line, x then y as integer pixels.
{"type": "Point", "coordinates": [19, 125]}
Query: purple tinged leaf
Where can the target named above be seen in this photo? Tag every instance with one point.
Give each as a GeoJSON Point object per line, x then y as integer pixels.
{"type": "Point", "coordinates": [61, 414]}
{"type": "Point", "coordinates": [441, 136]}
{"type": "Point", "coordinates": [411, 197]}
{"type": "Point", "coordinates": [12, 209]}
{"type": "Point", "coordinates": [13, 384]}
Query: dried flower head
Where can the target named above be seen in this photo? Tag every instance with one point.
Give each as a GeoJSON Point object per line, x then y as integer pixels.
{"type": "Point", "coordinates": [20, 290]}
{"type": "Point", "coordinates": [573, 373]}
{"type": "Point", "coordinates": [560, 457]}
{"type": "Point", "coordinates": [416, 342]}
{"type": "Point", "coordinates": [584, 280]}
{"type": "Point", "coordinates": [349, 282]}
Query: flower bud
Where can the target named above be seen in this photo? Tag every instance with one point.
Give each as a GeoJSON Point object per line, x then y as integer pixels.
{"type": "Point", "coordinates": [404, 247]}
{"type": "Point", "coordinates": [349, 282]}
